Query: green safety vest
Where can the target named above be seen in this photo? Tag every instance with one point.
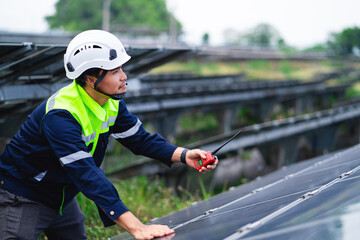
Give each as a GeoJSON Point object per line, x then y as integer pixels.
{"type": "Point", "coordinates": [93, 118]}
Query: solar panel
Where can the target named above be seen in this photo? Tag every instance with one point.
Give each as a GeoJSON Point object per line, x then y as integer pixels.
{"type": "Point", "coordinates": [29, 59]}
{"type": "Point", "coordinates": [31, 72]}
{"type": "Point", "coordinates": [313, 199]}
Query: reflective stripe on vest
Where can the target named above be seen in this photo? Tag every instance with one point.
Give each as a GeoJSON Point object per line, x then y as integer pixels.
{"type": "Point", "coordinates": [74, 157]}
{"type": "Point", "coordinates": [129, 132]}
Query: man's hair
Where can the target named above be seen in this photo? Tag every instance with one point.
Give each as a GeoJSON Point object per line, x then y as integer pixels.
{"type": "Point", "coordinates": [81, 80]}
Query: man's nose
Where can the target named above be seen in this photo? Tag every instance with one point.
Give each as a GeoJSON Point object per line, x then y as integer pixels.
{"type": "Point", "coordinates": [123, 76]}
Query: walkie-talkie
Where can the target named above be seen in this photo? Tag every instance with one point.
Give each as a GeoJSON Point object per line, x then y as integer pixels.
{"type": "Point", "coordinates": [210, 158]}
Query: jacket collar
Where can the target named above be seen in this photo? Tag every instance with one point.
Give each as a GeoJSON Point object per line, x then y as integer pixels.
{"type": "Point", "coordinates": [99, 111]}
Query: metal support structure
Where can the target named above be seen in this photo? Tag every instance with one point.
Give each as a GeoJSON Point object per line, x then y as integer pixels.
{"type": "Point", "coordinates": [323, 140]}
{"type": "Point", "coordinates": [304, 103]}
{"type": "Point", "coordinates": [280, 153]}
{"type": "Point", "coordinates": [264, 108]}
{"type": "Point", "coordinates": [166, 126]}
{"type": "Point", "coordinates": [227, 118]}
{"type": "Point", "coordinates": [106, 15]}
{"type": "Point", "coordinates": [288, 151]}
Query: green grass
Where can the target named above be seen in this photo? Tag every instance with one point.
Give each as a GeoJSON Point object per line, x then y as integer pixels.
{"type": "Point", "coordinates": [286, 68]}
{"type": "Point", "coordinates": [353, 91]}
{"type": "Point", "coordinates": [196, 126]}
{"type": "Point", "coordinates": [146, 199]}
{"type": "Point", "coordinates": [257, 69]}
{"type": "Point", "coordinates": [198, 121]}
{"type": "Point", "coordinates": [259, 65]}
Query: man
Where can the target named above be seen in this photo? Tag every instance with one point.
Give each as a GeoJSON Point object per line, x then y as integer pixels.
{"type": "Point", "coordinates": [58, 150]}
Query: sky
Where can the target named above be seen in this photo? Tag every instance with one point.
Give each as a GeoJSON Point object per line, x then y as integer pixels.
{"type": "Point", "coordinates": [301, 23]}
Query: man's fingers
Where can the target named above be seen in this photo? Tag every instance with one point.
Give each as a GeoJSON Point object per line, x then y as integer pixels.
{"type": "Point", "coordinates": [161, 230]}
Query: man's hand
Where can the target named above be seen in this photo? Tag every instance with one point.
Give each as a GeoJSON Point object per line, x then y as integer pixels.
{"type": "Point", "coordinates": [139, 230]}
{"type": "Point", "coordinates": [195, 154]}
{"type": "Point", "coordinates": [151, 231]}
{"type": "Point", "coordinates": [191, 157]}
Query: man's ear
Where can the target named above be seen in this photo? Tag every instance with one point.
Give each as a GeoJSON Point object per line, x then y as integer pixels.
{"type": "Point", "coordinates": [90, 80]}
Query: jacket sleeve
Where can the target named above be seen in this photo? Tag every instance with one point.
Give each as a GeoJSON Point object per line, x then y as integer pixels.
{"type": "Point", "coordinates": [63, 133]}
{"type": "Point", "coordinates": [129, 131]}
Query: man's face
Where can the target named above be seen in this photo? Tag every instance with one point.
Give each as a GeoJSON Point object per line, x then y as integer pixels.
{"type": "Point", "coordinates": [114, 82]}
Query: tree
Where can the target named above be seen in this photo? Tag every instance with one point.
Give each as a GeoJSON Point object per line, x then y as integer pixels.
{"type": "Point", "coordinates": [262, 35]}
{"type": "Point", "coordinates": [345, 42]}
{"type": "Point", "coordinates": [77, 15]}
{"type": "Point", "coordinates": [205, 39]}
{"type": "Point", "coordinates": [233, 37]}
{"type": "Point", "coordinates": [81, 15]}
{"type": "Point", "coordinates": [320, 47]}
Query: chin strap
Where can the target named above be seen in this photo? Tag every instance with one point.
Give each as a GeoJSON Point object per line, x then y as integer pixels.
{"type": "Point", "coordinates": [101, 77]}
{"type": "Point", "coordinates": [113, 96]}
{"type": "Point", "coordinates": [116, 96]}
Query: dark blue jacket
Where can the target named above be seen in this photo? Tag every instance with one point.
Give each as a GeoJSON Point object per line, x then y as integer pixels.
{"type": "Point", "coordinates": [30, 165]}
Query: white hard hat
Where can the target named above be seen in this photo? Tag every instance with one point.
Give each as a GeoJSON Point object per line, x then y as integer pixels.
{"type": "Point", "coordinates": [93, 49]}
